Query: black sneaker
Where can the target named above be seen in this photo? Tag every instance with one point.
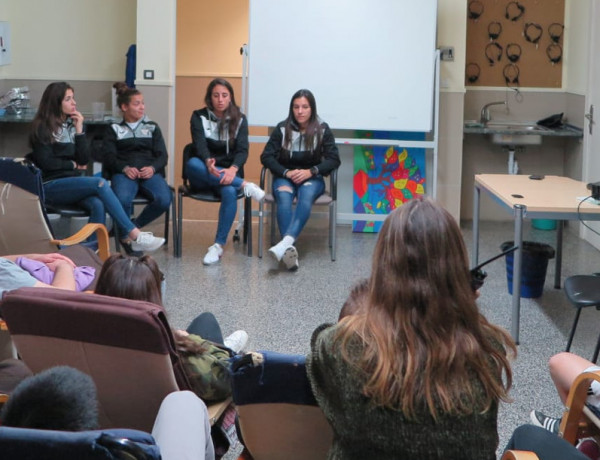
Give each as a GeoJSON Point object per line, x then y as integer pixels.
{"type": "Point", "coordinates": [129, 250]}
{"type": "Point", "coordinates": [551, 424]}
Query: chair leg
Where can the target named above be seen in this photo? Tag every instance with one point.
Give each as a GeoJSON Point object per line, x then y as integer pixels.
{"type": "Point", "coordinates": [273, 219]}
{"type": "Point", "coordinates": [573, 329]}
{"type": "Point", "coordinates": [179, 224]}
{"type": "Point", "coordinates": [117, 237]}
{"type": "Point", "coordinates": [261, 207]}
{"type": "Point", "coordinates": [333, 229]}
{"type": "Point", "coordinates": [166, 231]}
{"type": "Point", "coordinates": [248, 224]}
{"type": "Point", "coordinates": [174, 224]}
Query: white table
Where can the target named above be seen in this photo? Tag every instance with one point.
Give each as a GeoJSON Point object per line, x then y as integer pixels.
{"type": "Point", "coordinates": [553, 197]}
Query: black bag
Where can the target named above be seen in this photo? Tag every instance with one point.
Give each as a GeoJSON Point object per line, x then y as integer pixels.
{"type": "Point", "coordinates": [552, 122]}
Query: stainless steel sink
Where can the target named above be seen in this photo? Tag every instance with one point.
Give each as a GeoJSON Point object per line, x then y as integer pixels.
{"type": "Point", "coordinates": [515, 133]}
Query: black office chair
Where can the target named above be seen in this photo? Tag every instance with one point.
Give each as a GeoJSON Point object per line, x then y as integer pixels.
{"type": "Point", "coordinates": [328, 198]}
{"type": "Point", "coordinates": [208, 195]}
{"type": "Point", "coordinates": [583, 291]}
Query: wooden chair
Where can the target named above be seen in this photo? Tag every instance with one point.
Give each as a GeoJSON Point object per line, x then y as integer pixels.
{"type": "Point", "coordinates": [126, 346]}
{"type": "Point", "coordinates": [519, 455]}
{"type": "Point", "coordinates": [186, 190]}
{"type": "Point", "coordinates": [583, 291]}
{"type": "Point", "coordinates": [328, 198]}
{"type": "Point", "coordinates": [24, 226]}
{"type": "Point", "coordinates": [278, 416]}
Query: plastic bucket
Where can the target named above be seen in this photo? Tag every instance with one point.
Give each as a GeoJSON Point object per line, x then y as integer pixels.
{"type": "Point", "coordinates": [543, 224]}
{"type": "Point", "coordinates": [534, 265]}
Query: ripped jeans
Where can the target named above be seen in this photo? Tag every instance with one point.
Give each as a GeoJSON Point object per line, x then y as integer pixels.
{"type": "Point", "coordinates": [91, 193]}
{"type": "Point", "coordinates": [291, 221]}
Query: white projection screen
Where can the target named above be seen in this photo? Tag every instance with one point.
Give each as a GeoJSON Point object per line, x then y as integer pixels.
{"type": "Point", "coordinates": [369, 63]}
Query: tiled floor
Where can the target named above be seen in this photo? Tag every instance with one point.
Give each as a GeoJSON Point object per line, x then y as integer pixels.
{"type": "Point", "coordinates": [279, 309]}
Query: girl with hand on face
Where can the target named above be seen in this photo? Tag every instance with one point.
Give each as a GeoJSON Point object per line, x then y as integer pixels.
{"type": "Point", "coordinates": [220, 138]}
{"type": "Point", "coordinates": [300, 151]}
{"type": "Point", "coordinates": [135, 158]}
{"type": "Point", "coordinates": [61, 151]}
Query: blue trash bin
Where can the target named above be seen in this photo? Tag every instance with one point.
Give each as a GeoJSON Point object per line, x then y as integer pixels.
{"type": "Point", "coordinates": [534, 265]}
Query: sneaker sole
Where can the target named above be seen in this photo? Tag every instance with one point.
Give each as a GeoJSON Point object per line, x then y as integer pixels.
{"type": "Point", "coordinates": [208, 264]}
{"type": "Point", "coordinates": [290, 258]}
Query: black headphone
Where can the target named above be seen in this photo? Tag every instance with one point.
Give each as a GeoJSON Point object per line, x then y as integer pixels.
{"type": "Point", "coordinates": [475, 9]}
{"type": "Point", "coordinates": [494, 30]}
{"type": "Point", "coordinates": [472, 72]}
{"type": "Point", "coordinates": [555, 30]}
{"type": "Point", "coordinates": [513, 52]}
{"type": "Point", "coordinates": [514, 15]}
{"type": "Point", "coordinates": [554, 53]}
{"type": "Point", "coordinates": [511, 74]}
{"type": "Point", "coordinates": [494, 58]}
{"type": "Point", "coordinates": [535, 38]}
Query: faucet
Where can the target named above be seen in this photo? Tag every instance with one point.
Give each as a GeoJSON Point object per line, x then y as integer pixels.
{"type": "Point", "coordinates": [485, 112]}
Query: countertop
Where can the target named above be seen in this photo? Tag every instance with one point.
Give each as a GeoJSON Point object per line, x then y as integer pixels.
{"type": "Point", "coordinates": [565, 131]}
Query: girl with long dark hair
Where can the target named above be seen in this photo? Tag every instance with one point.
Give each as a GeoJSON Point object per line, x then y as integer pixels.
{"type": "Point", "coordinates": [300, 151]}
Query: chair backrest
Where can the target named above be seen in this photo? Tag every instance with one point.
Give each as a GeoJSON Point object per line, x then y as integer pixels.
{"type": "Point", "coordinates": [126, 347]}
{"type": "Point", "coordinates": [278, 415]}
{"type": "Point", "coordinates": [24, 443]}
{"type": "Point", "coordinates": [24, 226]}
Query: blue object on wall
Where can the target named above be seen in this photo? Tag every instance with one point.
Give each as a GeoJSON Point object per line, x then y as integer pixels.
{"type": "Point", "coordinates": [130, 67]}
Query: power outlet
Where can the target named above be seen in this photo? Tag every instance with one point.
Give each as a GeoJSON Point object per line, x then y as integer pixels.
{"type": "Point", "coordinates": [148, 74]}
{"type": "Point", "coordinates": [447, 53]}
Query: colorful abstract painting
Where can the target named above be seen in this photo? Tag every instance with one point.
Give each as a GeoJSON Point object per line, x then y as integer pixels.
{"type": "Point", "coordinates": [385, 177]}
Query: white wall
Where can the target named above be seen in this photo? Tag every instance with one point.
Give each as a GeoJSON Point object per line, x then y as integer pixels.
{"type": "Point", "coordinates": [577, 37]}
{"type": "Point", "coordinates": [68, 39]}
{"type": "Point", "coordinates": [452, 31]}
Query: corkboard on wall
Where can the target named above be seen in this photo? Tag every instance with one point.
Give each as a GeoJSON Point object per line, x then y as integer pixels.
{"type": "Point", "coordinates": [490, 34]}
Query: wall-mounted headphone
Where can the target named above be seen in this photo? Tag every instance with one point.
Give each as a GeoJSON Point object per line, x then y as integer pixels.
{"type": "Point", "coordinates": [493, 52]}
{"type": "Point", "coordinates": [514, 11]}
{"type": "Point", "coordinates": [472, 72]}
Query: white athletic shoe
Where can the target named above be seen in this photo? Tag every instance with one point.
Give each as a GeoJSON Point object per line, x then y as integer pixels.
{"type": "Point", "coordinates": [147, 242]}
{"type": "Point", "coordinates": [236, 341]}
{"type": "Point", "coordinates": [213, 255]}
{"type": "Point", "coordinates": [254, 191]}
{"type": "Point", "coordinates": [290, 258]}
{"type": "Point", "coordinates": [278, 250]}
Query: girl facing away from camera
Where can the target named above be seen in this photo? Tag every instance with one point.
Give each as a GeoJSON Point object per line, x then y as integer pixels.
{"type": "Point", "coordinates": [416, 371]}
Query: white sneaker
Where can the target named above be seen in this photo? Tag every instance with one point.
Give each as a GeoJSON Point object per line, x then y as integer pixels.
{"type": "Point", "coordinates": [147, 242]}
{"type": "Point", "coordinates": [278, 250]}
{"type": "Point", "coordinates": [213, 255]}
{"type": "Point", "coordinates": [236, 341]}
{"type": "Point", "coordinates": [254, 191]}
{"type": "Point", "coordinates": [290, 258]}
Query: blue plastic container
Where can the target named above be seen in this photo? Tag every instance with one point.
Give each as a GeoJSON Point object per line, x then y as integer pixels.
{"type": "Point", "coordinates": [543, 224]}
{"type": "Point", "coordinates": [534, 265]}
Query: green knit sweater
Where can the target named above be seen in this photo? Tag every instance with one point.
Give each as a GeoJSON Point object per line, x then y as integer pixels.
{"type": "Point", "coordinates": [364, 431]}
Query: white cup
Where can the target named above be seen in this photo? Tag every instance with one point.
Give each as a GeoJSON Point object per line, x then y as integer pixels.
{"type": "Point", "coordinates": [98, 111]}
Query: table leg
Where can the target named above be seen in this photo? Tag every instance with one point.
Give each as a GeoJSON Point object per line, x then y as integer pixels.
{"type": "Point", "coordinates": [476, 198]}
{"type": "Point", "coordinates": [558, 263]}
{"type": "Point", "coordinates": [517, 266]}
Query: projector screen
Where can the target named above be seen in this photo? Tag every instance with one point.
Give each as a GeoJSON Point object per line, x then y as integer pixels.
{"type": "Point", "coordinates": [369, 63]}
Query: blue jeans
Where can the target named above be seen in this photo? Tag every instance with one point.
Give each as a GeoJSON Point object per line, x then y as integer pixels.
{"type": "Point", "coordinates": [290, 221]}
{"type": "Point", "coordinates": [201, 179]}
{"type": "Point", "coordinates": [155, 189]}
{"type": "Point", "coordinates": [91, 193]}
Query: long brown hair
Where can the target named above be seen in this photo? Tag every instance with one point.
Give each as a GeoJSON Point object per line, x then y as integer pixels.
{"type": "Point", "coordinates": [232, 114]}
{"type": "Point", "coordinates": [135, 278]}
{"type": "Point", "coordinates": [421, 334]}
{"type": "Point", "coordinates": [138, 279]}
{"type": "Point", "coordinates": [49, 116]}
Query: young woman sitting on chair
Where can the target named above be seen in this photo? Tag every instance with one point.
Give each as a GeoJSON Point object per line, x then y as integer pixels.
{"type": "Point", "coordinates": [205, 354]}
{"type": "Point", "coordinates": [220, 138]}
